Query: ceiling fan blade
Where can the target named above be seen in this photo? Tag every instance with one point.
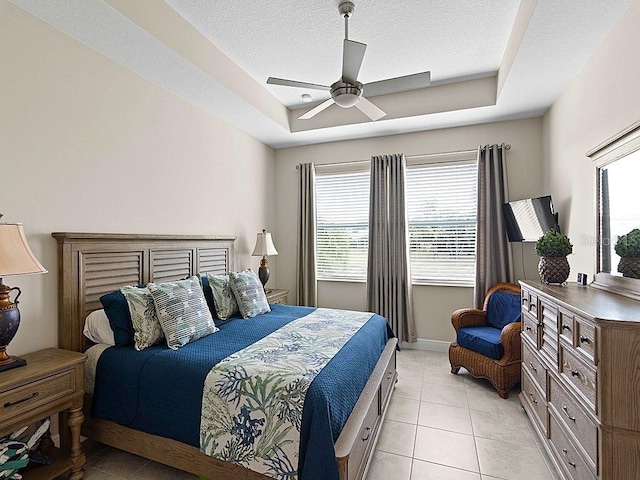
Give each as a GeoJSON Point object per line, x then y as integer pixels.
{"type": "Point", "coordinates": [398, 84]}
{"type": "Point", "coordinates": [352, 55]}
{"type": "Point", "coordinates": [316, 110]}
{"type": "Point", "coordinates": [369, 109]}
{"type": "Point", "coordinates": [293, 83]}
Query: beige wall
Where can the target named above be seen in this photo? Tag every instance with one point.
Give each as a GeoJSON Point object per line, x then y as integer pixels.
{"type": "Point", "coordinates": [87, 145]}
{"type": "Point", "coordinates": [602, 100]}
{"type": "Point", "coordinates": [432, 305]}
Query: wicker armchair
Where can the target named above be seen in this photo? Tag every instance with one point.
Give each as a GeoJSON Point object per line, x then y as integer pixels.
{"type": "Point", "coordinates": [502, 371]}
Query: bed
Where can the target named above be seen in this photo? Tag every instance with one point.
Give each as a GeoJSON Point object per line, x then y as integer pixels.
{"type": "Point", "coordinates": [91, 265]}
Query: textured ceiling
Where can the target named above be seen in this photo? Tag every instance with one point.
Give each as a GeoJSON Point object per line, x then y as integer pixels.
{"type": "Point", "coordinates": [303, 40]}
{"type": "Point", "coordinates": [517, 57]}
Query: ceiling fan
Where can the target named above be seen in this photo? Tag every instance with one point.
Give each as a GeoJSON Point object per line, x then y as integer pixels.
{"type": "Point", "coordinates": [347, 91]}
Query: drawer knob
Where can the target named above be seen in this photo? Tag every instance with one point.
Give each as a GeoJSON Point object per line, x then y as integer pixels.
{"type": "Point", "coordinates": [367, 435]}
{"type": "Point", "coordinates": [389, 375]}
{"type": "Point", "coordinates": [533, 367]}
{"type": "Point", "coordinates": [566, 454]}
{"type": "Point", "coordinates": [575, 373]}
{"type": "Point", "coordinates": [566, 412]}
{"type": "Point", "coordinates": [529, 329]}
{"type": "Point", "coordinates": [584, 339]}
{"type": "Point", "coordinates": [533, 398]}
{"type": "Point", "coordinates": [30, 397]}
{"type": "Point", "coordinates": [566, 327]}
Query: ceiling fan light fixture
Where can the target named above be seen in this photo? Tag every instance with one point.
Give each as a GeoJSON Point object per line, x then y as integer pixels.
{"type": "Point", "coordinates": [346, 95]}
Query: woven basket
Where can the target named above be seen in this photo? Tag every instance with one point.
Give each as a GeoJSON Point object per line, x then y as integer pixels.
{"type": "Point", "coordinates": [553, 269]}
{"type": "Point", "coordinates": [629, 267]}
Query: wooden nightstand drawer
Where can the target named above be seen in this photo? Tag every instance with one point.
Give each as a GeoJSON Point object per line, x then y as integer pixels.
{"type": "Point", "coordinates": [277, 296]}
{"type": "Point", "coordinates": [32, 395]}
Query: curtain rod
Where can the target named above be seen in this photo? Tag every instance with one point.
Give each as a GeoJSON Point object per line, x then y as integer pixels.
{"type": "Point", "coordinates": [506, 146]}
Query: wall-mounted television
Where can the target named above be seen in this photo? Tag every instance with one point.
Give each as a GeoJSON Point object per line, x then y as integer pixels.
{"type": "Point", "coordinates": [527, 220]}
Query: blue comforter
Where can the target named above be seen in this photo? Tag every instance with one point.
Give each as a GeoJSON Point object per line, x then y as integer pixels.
{"type": "Point", "coordinates": [159, 391]}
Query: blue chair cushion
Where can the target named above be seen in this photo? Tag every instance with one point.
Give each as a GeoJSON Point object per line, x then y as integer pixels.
{"type": "Point", "coordinates": [503, 309]}
{"type": "Point", "coordinates": [484, 340]}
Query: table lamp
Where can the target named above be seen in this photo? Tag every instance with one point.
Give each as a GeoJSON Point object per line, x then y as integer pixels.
{"type": "Point", "coordinates": [264, 246]}
{"type": "Point", "coordinates": [16, 258]}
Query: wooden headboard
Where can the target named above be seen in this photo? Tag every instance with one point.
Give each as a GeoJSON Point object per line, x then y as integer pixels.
{"type": "Point", "coordinates": [92, 264]}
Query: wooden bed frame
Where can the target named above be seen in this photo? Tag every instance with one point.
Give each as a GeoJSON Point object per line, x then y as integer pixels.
{"type": "Point", "coordinates": [92, 264]}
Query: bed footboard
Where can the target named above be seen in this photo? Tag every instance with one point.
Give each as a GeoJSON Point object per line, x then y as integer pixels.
{"type": "Point", "coordinates": [354, 447]}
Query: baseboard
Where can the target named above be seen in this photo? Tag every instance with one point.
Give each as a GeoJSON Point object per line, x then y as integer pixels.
{"type": "Point", "coordinates": [425, 344]}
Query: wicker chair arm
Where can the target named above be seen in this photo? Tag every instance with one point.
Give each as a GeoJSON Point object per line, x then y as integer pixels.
{"type": "Point", "coordinates": [510, 339]}
{"type": "Point", "coordinates": [468, 317]}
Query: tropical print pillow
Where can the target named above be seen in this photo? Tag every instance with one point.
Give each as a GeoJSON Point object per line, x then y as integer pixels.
{"type": "Point", "coordinates": [249, 293]}
{"type": "Point", "coordinates": [182, 311]}
{"type": "Point", "coordinates": [146, 326]}
{"type": "Point", "coordinates": [223, 298]}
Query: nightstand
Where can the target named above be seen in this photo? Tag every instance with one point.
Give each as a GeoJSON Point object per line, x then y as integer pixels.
{"type": "Point", "coordinates": [277, 296]}
{"type": "Point", "coordinates": [52, 382]}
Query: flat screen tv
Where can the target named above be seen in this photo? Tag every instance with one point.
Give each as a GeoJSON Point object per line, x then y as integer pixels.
{"type": "Point", "coordinates": [527, 220]}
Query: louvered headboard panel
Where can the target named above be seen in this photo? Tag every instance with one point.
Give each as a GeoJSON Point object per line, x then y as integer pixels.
{"type": "Point", "coordinates": [92, 264]}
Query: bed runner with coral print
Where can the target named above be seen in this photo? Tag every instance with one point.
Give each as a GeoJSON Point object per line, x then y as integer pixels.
{"type": "Point", "coordinates": [252, 400]}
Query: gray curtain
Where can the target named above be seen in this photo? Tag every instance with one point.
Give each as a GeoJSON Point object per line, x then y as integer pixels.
{"type": "Point", "coordinates": [494, 262]}
{"type": "Point", "coordinates": [307, 286]}
{"type": "Point", "coordinates": [388, 274]}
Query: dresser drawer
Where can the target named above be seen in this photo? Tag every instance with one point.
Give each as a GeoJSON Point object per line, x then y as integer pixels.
{"type": "Point", "coordinates": [530, 328]}
{"type": "Point", "coordinates": [579, 374]}
{"type": "Point", "coordinates": [529, 302]}
{"type": "Point", "coordinates": [567, 453]}
{"type": "Point", "coordinates": [35, 394]}
{"type": "Point", "coordinates": [565, 321]}
{"type": "Point", "coordinates": [585, 338]}
{"type": "Point", "coordinates": [535, 399]}
{"type": "Point", "coordinates": [531, 362]}
{"type": "Point", "coordinates": [549, 337]}
{"type": "Point", "coordinates": [575, 419]}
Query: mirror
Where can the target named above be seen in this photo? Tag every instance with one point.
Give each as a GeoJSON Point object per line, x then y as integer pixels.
{"type": "Point", "coordinates": [619, 208]}
{"type": "Point", "coordinates": [617, 164]}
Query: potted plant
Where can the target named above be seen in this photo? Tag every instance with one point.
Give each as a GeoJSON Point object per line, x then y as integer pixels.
{"type": "Point", "coordinates": [628, 247]}
{"type": "Point", "coordinates": [553, 248]}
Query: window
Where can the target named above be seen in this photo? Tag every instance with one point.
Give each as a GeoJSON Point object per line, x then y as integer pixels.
{"type": "Point", "coordinates": [342, 224]}
{"type": "Point", "coordinates": [441, 210]}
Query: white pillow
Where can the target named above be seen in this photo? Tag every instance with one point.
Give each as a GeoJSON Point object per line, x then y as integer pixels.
{"type": "Point", "coordinates": [97, 328]}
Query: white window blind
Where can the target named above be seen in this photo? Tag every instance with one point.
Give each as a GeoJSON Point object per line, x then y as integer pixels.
{"type": "Point", "coordinates": [342, 224]}
{"type": "Point", "coordinates": [441, 211]}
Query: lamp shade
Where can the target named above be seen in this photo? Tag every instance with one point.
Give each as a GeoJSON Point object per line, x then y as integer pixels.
{"type": "Point", "coordinates": [264, 245]}
{"type": "Point", "coordinates": [16, 257]}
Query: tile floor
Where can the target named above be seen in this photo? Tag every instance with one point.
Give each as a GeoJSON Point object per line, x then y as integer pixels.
{"type": "Point", "coordinates": [439, 426]}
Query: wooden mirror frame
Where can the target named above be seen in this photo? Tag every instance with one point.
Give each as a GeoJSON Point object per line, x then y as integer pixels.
{"type": "Point", "coordinates": [620, 145]}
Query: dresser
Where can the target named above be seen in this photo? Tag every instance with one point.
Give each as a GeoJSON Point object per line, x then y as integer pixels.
{"type": "Point", "coordinates": [581, 378]}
